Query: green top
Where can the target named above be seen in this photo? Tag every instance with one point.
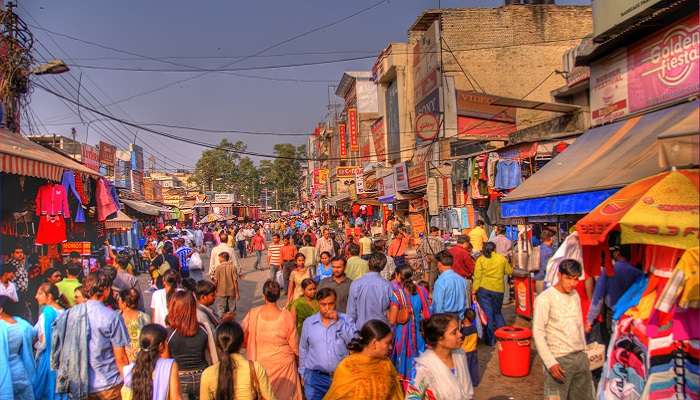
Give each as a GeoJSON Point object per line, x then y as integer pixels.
{"type": "Point", "coordinates": [489, 272]}
{"type": "Point", "coordinates": [67, 288]}
{"type": "Point", "coordinates": [304, 309]}
{"type": "Point", "coordinates": [356, 268]}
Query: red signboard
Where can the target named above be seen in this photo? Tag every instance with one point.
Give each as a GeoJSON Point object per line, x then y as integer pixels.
{"type": "Point", "coordinates": [83, 248]}
{"type": "Point", "coordinates": [347, 172]}
{"type": "Point", "coordinates": [664, 66]}
{"type": "Point", "coordinates": [342, 141]}
{"type": "Point", "coordinates": [90, 157]}
{"type": "Point", "coordinates": [352, 124]}
{"type": "Point", "coordinates": [107, 154]}
{"type": "Point", "coordinates": [482, 128]}
{"type": "Point", "coordinates": [378, 138]}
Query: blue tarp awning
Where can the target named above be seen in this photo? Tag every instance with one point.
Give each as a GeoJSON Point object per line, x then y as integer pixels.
{"type": "Point", "coordinates": [598, 163]}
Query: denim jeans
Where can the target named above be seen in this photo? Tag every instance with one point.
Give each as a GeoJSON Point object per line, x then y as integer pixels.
{"type": "Point", "coordinates": [189, 384]}
{"type": "Point", "coordinates": [241, 248]}
{"type": "Point", "coordinates": [491, 302]}
{"type": "Point", "coordinates": [316, 384]}
{"type": "Point", "coordinates": [273, 271]}
{"type": "Point", "coordinates": [258, 259]}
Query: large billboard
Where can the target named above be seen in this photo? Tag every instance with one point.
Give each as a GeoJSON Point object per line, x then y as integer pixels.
{"type": "Point", "coordinates": [392, 121]}
{"type": "Point", "coordinates": [378, 139]}
{"type": "Point", "coordinates": [426, 60]}
{"type": "Point", "coordinates": [660, 68]}
{"type": "Point", "coordinates": [136, 157]}
{"type": "Point", "coordinates": [90, 157]}
{"type": "Point", "coordinates": [107, 153]}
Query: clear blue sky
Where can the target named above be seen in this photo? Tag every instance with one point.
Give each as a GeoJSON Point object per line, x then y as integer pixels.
{"type": "Point", "coordinates": [175, 28]}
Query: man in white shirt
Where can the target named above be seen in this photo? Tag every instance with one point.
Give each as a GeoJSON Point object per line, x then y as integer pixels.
{"type": "Point", "coordinates": [218, 249]}
{"type": "Point", "coordinates": [7, 287]}
{"type": "Point", "coordinates": [560, 339]}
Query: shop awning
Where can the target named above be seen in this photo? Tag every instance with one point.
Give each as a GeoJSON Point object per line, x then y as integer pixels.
{"type": "Point", "coordinates": [598, 163]}
{"type": "Point", "coordinates": [121, 221]}
{"type": "Point", "coordinates": [143, 207]}
{"type": "Point", "coordinates": [20, 156]}
{"type": "Point", "coordinates": [333, 200]}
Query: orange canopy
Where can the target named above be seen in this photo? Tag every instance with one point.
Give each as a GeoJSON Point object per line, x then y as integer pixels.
{"type": "Point", "coordinates": [661, 210]}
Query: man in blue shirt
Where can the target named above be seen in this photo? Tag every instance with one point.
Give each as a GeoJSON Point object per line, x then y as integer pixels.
{"type": "Point", "coordinates": [546, 252]}
{"type": "Point", "coordinates": [609, 289]}
{"type": "Point", "coordinates": [450, 292]}
{"type": "Point", "coordinates": [323, 344]}
{"type": "Point", "coordinates": [107, 339]}
{"type": "Point", "coordinates": [369, 296]}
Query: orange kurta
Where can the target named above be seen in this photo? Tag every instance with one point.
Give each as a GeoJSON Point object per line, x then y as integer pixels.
{"type": "Point", "coordinates": [274, 345]}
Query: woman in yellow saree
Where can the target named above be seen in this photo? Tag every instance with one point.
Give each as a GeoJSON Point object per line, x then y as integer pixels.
{"type": "Point", "coordinates": [367, 373]}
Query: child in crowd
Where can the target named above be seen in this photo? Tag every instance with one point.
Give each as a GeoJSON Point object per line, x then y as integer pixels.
{"type": "Point", "coordinates": [469, 345]}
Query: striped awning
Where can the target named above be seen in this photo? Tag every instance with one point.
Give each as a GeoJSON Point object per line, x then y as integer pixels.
{"type": "Point", "coordinates": [20, 156]}
{"type": "Point", "coordinates": [27, 167]}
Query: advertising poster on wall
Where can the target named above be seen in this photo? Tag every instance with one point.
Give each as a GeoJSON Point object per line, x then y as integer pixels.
{"type": "Point", "coordinates": [426, 60]}
{"type": "Point", "coordinates": [342, 140]}
{"type": "Point", "coordinates": [137, 182]}
{"type": "Point", "coordinates": [378, 139]}
{"type": "Point", "coordinates": [427, 118]}
{"type": "Point", "coordinates": [90, 157]}
{"type": "Point", "coordinates": [352, 129]}
{"type": "Point", "coordinates": [107, 154]}
{"type": "Point", "coordinates": [609, 88]}
{"type": "Point", "coordinates": [122, 174]}
{"type": "Point", "coordinates": [401, 176]}
{"type": "Point", "coordinates": [664, 66]}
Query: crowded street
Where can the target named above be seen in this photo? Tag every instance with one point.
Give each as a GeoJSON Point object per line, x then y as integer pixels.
{"type": "Point", "coordinates": [366, 200]}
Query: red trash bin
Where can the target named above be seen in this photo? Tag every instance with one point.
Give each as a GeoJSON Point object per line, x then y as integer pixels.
{"type": "Point", "coordinates": [514, 351]}
{"type": "Point", "coordinates": [524, 293]}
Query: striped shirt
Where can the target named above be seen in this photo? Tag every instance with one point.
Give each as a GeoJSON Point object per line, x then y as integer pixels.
{"type": "Point", "coordinates": [183, 253]}
{"type": "Point", "coordinates": [274, 252]}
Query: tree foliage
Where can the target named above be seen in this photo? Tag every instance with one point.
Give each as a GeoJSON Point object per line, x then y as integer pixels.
{"type": "Point", "coordinates": [224, 170]}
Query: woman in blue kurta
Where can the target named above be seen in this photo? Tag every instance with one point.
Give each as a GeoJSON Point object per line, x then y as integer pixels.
{"type": "Point", "coordinates": [45, 378]}
{"type": "Point", "coordinates": [16, 362]}
{"type": "Point", "coordinates": [408, 341]}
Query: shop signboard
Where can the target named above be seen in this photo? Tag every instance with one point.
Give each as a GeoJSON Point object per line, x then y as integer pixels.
{"type": "Point", "coordinates": [479, 105]}
{"type": "Point", "coordinates": [82, 248]}
{"type": "Point", "coordinates": [401, 176]}
{"type": "Point", "coordinates": [148, 189]}
{"type": "Point", "coordinates": [314, 174]}
{"type": "Point", "coordinates": [90, 157]}
{"type": "Point", "coordinates": [417, 222]}
{"type": "Point", "coordinates": [137, 182]}
{"type": "Point", "coordinates": [157, 191]}
{"type": "Point", "coordinates": [364, 147]}
{"type": "Point", "coordinates": [427, 118]}
{"type": "Point", "coordinates": [342, 141]}
{"type": "Point", "coordinates": [224, 197]}
{"type": "Point", "coordinates": [352, 129]}
{"type": "Point", "coordinates": [347, 172]}
{"type": "Point", "coordinates": [476, 128]}
{"type": "Point", "coordinates": [610, 13]}
{"type": "Point", "coordinates": [323, 176]}
{"type": "Point", "coordinates": [426, 60]}
{"type": "Point", "coordinates": [360, 183]}
{"type": "Point", "coordinates": [366, 96]}
{"type": "Point", "coordinates": [378, 139]}
{"type": "Point", "coordinates": [107, 154]}
{"type": "Point", "coordinates": [389, 185]}
{"type": "Point", "coordinates": [664, 66]}
{"type": "Point", "coordinates": [609, 88]}
{"type": "Point", "coordinates": [136, 157]}
{"type": "Point", "coordinates": [432, 193]}
{"type": "Point", "coordinates": [416, 171]}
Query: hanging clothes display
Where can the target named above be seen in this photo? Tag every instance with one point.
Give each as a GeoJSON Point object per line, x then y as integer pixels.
{"type": "Point", "coordinates": [68, 181]}
{"type": "Point", "coordinates": [105, 201]}
{"type": "Point", "coordinates": [52, 208]}
{"type": "Point", "coordinates": [508, 174]}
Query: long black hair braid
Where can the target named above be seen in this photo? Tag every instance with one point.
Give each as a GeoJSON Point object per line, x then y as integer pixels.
{"type": "Point", "coordinates": [150, 340]}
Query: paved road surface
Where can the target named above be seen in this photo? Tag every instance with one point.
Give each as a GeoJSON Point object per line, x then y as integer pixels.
{"type": "Point", "coordinates": [250, 285]}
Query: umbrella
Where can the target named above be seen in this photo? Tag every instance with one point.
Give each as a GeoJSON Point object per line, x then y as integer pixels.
{"type": "Point", "coordinates": [663, 210]}
{"type": "Point", "coordinates": [211, 218]}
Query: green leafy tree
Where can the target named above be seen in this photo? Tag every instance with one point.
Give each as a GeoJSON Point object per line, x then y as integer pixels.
{"type": "Point", "coordinates": [217, 168]}
{"type": "Point", "coordinates": [283, 174]}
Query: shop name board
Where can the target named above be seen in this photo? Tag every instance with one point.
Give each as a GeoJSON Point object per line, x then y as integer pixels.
{"type": "Point", "coordinates": [475, 128]}
{"type": "Point", "coordinates": [342, 140]}
{"type": "Point", "coordinates": [137, 182]}
{"type": "Point", "coordinates": [347, 172]}
{"type": "Point", "coordinates": [90, 157]}
{"type": "Point", "coordinates": [108, 153]}
{"type": "Point", "coordinates": [427, 123]}
{"type": "Point", "coordinates": [224, 197]}
{"type": "Point", "coordinates": [352, 128]}
{"type": "Point", "coordinates": [663, 67]}
{"type": "Point", "coordinates": [378, 138]}
{"type": "Point", "coordinates": [401, 176]}
{"type": "Point", "coordinates": [323, 176]}
{"type": "Point", "coordinates": [82, 248]}
{"type": "Point", "coordinates": [478, 105]}
{"type": "Point", "coordinates": [426, 60]}
{"type": "Point", "coordinates": [609, 13]}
